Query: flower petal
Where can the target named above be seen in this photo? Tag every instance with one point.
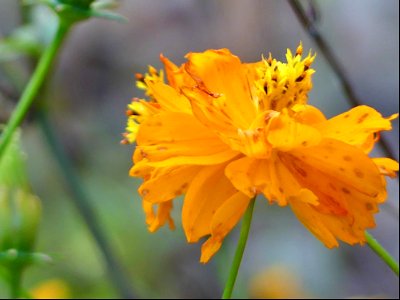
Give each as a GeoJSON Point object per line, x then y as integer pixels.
{"type": "Point", "coordinates": [162, 137]}
{"type": "Point", "coordinates": [177, 77]}
{"type": "Point", "coordinates": [268, 176]}
{"type": "Point", "coordinates": [285, 133]}
{"type": "Point", "coordinates": [226, 217]}
{"type": "Point", "coordinates": [168, 98]}
{"type": "Point", "coordinates": [356, 126]}
{"type": "Point", "coordinates": [348, 185]}
{"type": "Point", "coordinates": [310, 219]}
{"type": "Point", "coordinates": [218, 72]}
{"type": "Point", "coordinates": [167, 183]}
{"type": "Point", "coordinates": [344, 165]}
{"type": "Point", "coordinates": [387, 166]}
{"type": "Point", "coordinates": [207, 192]}
{"type": "Point", "coordinates": [307, 114]}
{"type": "Point", "coordinates": [158, 219]}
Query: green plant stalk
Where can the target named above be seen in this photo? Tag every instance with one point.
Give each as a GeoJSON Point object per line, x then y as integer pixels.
{"type": "Point", "coordinates": [15, 282]}
{"type": "Point", "coordinates": [82, 203]}
{"type": "Point", "coordinates": [382, 253]}
{"type": "Point", "coordinates": [34, 85]}
{"type": "Point", "coordinates": [244, 233]}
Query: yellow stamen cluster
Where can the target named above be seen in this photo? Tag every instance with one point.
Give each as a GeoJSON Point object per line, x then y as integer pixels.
{"type": "Point", "coordinates": [153, 76]}
{"type": "Point", "coordinates": [281, 84]}
{"type": "Point", "coordinates": [138, 110]}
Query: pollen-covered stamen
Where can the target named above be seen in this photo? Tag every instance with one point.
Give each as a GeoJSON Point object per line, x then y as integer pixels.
{"type": "Point", "coordinates": [152, 76]}
{"type": "Point", "coordinates": [139, 77]}
{"type": "Point", "coordinates": [299, 50]}
{"type": "Point", "coordinates": [283, 85]}
{"type": "Point", "coordinates": [124, 140]}
{"type": "Point", "coordinates": [138, 110]}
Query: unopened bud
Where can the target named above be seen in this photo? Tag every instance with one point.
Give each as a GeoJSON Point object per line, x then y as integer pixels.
{"type": "Point", "coordinates": [20, 214]}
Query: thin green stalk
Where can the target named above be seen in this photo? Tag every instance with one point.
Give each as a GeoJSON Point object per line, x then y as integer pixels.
{"type": "Point", "coordinates": [382, 253]}
{"type": "Point", "coordinates": [326, 50]}
{"type": "Point", "coordinates": [244, 233]}
{"type": "Point", "coordinates": [34, 85]}
{"type": "Point", "coordinates": [15, 283]}
{"type": "Point", "coordinates": [81, 201]}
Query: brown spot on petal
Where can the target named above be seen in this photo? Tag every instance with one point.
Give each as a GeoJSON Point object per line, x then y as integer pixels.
{"type": "Point", "coordinates": [143, 154]}
{"type": "Point", "coordinates": [362, 118]}
{"type": "Point", "coordinates": [347, 158]}
{"type": "Point", "coordinates": [304, 143]}
{"type": "Point", "coordinates": [358, 173]}
{"type": "Point", "coordinates": [145, 192]}
{"type": "Point", "coordinates": [256, 137]}
{"type": "Point", "coordinates": [332, 186]}
{"type": "Point", "coordinates": [346, 191]}
{"type": "Point", "coordinates": [369, 206]}
{"type": "Point", "coordinates": [301, 171]}
{"type": "Point", "coordinates": [274, 102]}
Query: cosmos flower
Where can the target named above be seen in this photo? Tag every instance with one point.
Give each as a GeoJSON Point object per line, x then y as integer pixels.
{"type": "Point", "coordinates": [221, 132]}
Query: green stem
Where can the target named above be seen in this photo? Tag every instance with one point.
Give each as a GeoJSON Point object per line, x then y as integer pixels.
{"type": "Point", "coordinates": [34, 85]}
{"type": "Point", "coordinates": [382, 253]}
{"type": "Point", "coordinates": [244, 233]}
{"type": "Point", "coordinates": [82, 203]}
{"type": "Point", "coordinates": [15, 282]}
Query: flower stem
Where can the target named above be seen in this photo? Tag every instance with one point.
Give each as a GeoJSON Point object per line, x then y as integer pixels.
{"type": "Point", "coordinates": [382, 253]}
{"type": "Point", "coordinates": [15, 283]}
{"type": "Point", "coordinates": [244, 233]}
{"type": "Point", "coordinates": [81, 200]}
{"type": "Point", "coordinates": [34, 85]}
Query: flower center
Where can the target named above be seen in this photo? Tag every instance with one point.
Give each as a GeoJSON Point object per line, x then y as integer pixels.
{"type": "Point", "coordinates": [282, 85]}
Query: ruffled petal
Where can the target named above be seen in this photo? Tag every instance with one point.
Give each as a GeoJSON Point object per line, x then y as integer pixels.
{"type": "Point", "coordinates": [387, 166]}
{"type": "Point", "coordinates": [268, 176]}
{"type": "Point", "coordinates": [348, 185]}
{"type": "Point", "coordinates": [157, 219]}
{"type": "Point", "coordinates": [177, 76]}
{"type": "Point", "coordinates": [167, 183]}
{"type": "Point", "coordinates": [343, 165]}
{"type": "Point", "coordinates": [248, 175]}
{"type": "Point", "coordinates": [285, 133]}
{"type": "Point", "coordinates": [207, 192]}
{"type": "Point", "coordinates": [225, 218]}
{"type": "Point", "coordinates": [221, 74]}
{"type": "Point", "coordinates": [173, 135]}
{"type": "Point", "coordinates": [168, 98]}
{"type": "Point", "coordinates": [307, 114]}
{"type": "Point", "coordinates": [357, 127]}
{"type": "Point", "coordinates": [207, 109]}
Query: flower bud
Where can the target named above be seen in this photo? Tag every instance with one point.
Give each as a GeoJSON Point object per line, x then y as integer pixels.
{"type": "Point", "coordinates": [20, 214]}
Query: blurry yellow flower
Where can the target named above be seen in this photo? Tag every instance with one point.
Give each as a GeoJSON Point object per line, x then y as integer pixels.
{"type": "Point", "coordinates": [277, 282]}
{"type": "Point", "coordinates": [51, 289]}
{"type": "Point", "coordinates": [222, 131]}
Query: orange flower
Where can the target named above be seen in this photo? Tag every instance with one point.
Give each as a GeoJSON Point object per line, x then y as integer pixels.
{"type": "Point", "coordinates": [222, 131]}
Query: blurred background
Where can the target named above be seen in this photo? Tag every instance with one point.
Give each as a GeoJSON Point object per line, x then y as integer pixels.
{"type": "Point", "coordinates": [87, 97]}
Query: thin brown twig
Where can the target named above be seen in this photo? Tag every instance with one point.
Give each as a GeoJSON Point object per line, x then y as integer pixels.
{"type": "Point", "coordinates": [325, 49]}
